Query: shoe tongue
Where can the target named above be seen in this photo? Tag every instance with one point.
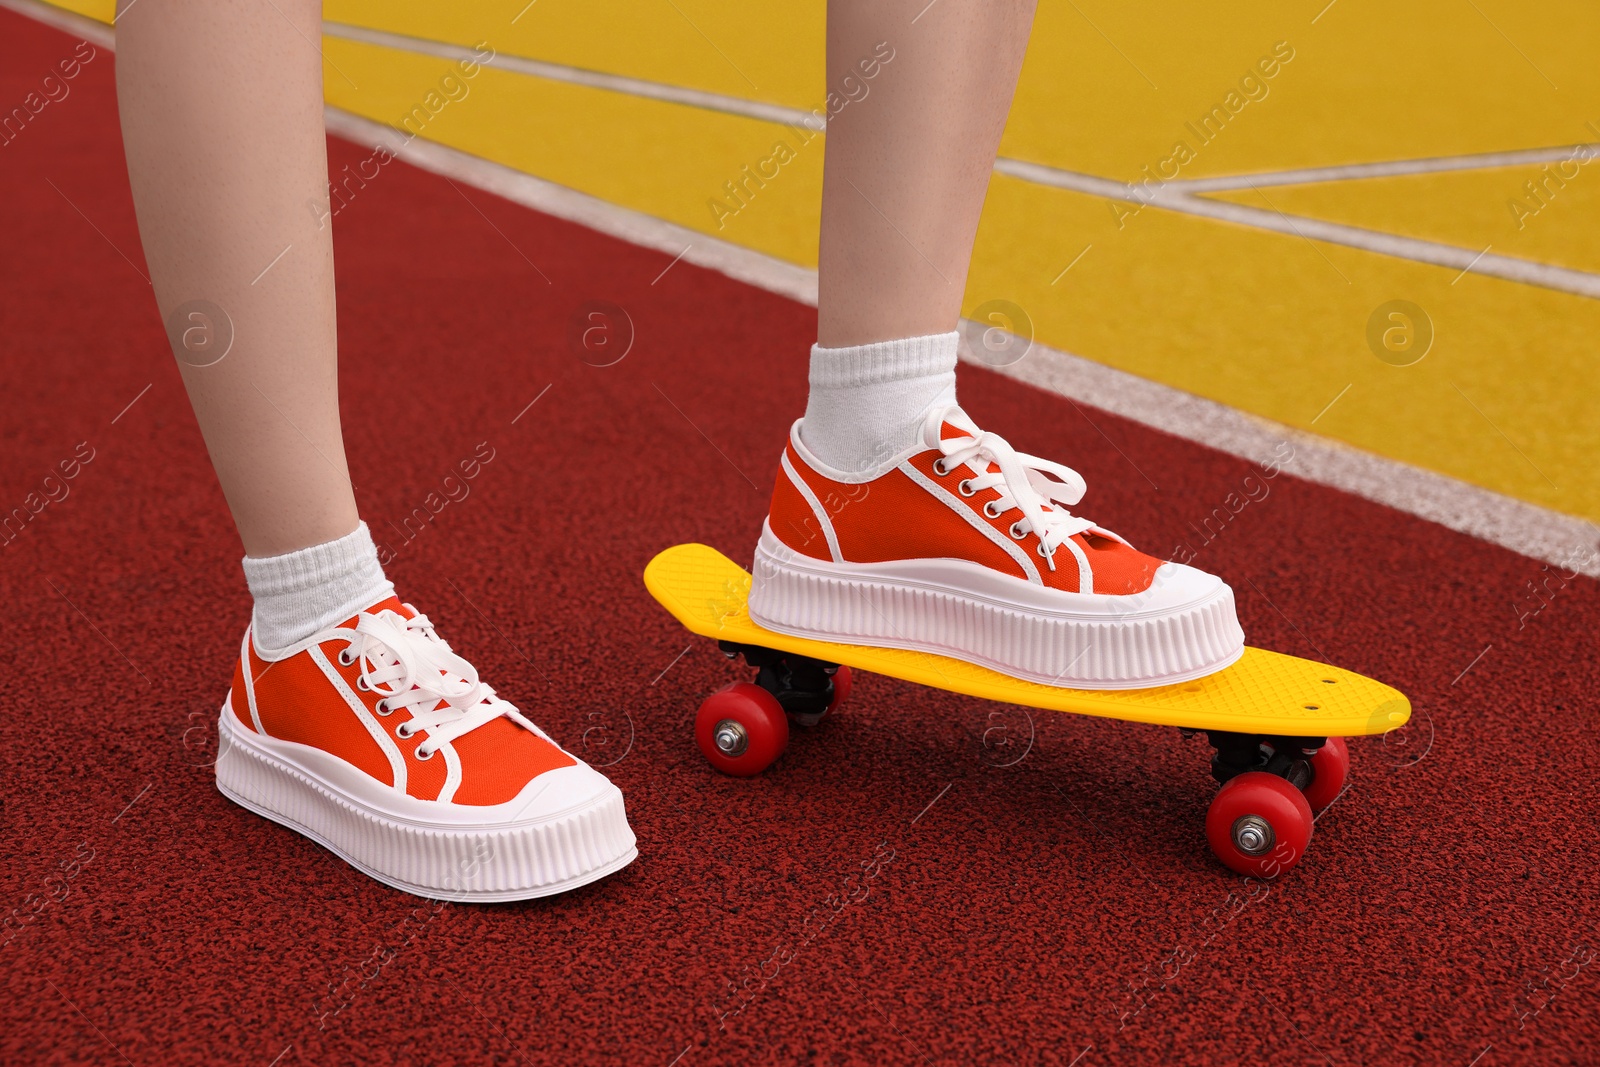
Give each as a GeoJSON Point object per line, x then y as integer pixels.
{"type": "Point", "coordinates": [390, 603]}
{"type": "Point", "coordinates": [956, 423]}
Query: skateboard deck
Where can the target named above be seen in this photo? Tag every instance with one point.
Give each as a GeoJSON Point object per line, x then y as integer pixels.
{"type": "Point", "coordinates": [1263, 693]}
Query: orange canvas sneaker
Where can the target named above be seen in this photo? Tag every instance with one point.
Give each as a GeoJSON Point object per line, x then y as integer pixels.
{"type": "Point", "coordinates": [381, 744]}
{"type": "Point", "coordinates": [965, 547]}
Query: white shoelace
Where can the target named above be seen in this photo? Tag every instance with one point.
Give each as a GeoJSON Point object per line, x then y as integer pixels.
{"type": "Point", "coordinates": [1041, 489]}
{"type": "Point", "coordinates": [410, 666]}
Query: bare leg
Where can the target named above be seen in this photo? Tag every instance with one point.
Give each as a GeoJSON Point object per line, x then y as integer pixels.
{"type": "Point", "coordinates": [907, 166]}
{"type": "Point", "coordinates": [221, 109]}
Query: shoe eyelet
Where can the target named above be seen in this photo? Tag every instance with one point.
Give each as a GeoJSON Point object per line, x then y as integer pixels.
{"type": "Point", "coordinates": [940, 468]}
{"type": "Point", "coordinates": [403, 731]}
{"type": "Point", "coordinates": [422, 756]}
{"type": "Point", "coordinates": [361, 683]}
{"type": "Point", "coordinates": [382, 707]}
{"type": "Point", "coordinates": [346, 659]}
{"type": "Point", "coordinates": [988, 509]}
{"type": "Point", "coordinates": [1042, 552]}
{"type": "Point", "coordinates": [965, 487]}
{"type": "Point", "coordinates": [1016, 533]}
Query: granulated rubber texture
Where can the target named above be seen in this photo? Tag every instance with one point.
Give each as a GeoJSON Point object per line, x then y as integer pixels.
{"type": "Point", "coordinates": [923, 878]}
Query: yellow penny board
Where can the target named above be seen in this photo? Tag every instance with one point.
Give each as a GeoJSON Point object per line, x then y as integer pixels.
{"type": "Point", "coordinates": [1264, 692]}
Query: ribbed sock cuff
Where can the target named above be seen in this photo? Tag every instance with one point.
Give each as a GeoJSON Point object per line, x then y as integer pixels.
{"type": "Point", "coordinates": [883, 361]}
{"type": "Point", "coordinates": [299, 593]}
{"type": "Point", "coordinates": [868, 402]}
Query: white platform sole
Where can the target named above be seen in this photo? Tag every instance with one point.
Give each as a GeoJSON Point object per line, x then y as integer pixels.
{"type": "Point", "coordinates": [1184, 628]}
{"type": "Point", "coordinates": [519, 860]}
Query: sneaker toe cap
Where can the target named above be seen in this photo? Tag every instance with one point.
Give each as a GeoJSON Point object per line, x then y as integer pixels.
{"type": "Point", "coordinates": [1177, 586]}
{"type": "Point", "coordinates": [562, 790]}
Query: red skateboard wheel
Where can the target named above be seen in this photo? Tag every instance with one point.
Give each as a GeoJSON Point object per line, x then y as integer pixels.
{"type": "Point", "coordinates": [742, 729]}
{"type": "Point", "coordinates": [1329, 768]}
{"type": "Point", "coordinates": [1259, 824]}
{"type": "Point", "coordinates": [842, 680]}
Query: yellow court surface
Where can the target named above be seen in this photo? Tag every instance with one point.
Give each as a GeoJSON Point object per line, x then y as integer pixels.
{"type": "Point", "coordinates": [1165, 227]}
{"type": "Point", "coordinates": [1264, 692]}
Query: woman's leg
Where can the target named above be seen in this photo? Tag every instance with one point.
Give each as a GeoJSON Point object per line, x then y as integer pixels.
{"type": "Point", "coordinates": [221, 110]}
{"type": "Point", "coordinates": [908, 165]}
{"type": "Point", "coordinates": [344, 699]}
{"type": "Point", "coordinates": [904, 179]}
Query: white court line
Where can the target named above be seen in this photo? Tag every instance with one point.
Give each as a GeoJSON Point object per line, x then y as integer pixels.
{"type": "Point", "coordinates": [617, 83]}
{"type": "Point", "coordinates": [92, 30]}
{"type": "Point", "coordinates": [1387, 169]}
{"type": "Point", "coordinates": [635, 227]}
{"type": "Point", "coordinates": [1170, 198]}
{"type": "Point", "coordinates": [1528, 529]}
{"type": "Point", "coordinates": [1525, 528]}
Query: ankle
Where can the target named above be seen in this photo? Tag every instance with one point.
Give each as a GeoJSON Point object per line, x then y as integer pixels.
{"type": "Point", "coordinates": [299, 593]}
{"type": "Point", "coordinates": [867, 402]}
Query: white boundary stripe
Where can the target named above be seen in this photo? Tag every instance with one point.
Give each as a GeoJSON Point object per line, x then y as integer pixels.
{"type": "Point", "coordinates": [1388, 169]}
{"type": "Point", "coordinates": [92, 30]}
{"type": "Point", "coordinates": [1525, 528]}
{"type": "Point", "coordinates": [1527, 272]}
{"type": "Point", "coordinates": [616, 83]}
{"type": "Point", "coordinates": [635, 227]}
{"type": "Point", "coordinates": [1521, 527]}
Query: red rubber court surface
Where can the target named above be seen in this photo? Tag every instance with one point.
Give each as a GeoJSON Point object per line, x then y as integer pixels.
{"type": "Point", "coordinates": [922, 879]}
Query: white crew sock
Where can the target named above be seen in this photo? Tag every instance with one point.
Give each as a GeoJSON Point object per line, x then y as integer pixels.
{"type": "Point", "coordinates": [867, 402]}
{"type": "Point", "coordinates": [299, 593]}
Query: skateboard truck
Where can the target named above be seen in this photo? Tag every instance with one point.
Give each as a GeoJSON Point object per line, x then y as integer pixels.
{"type": "Point", "coordinates": [803, 686]}
{"type": "Point", "coordinates": [1289, 758]}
